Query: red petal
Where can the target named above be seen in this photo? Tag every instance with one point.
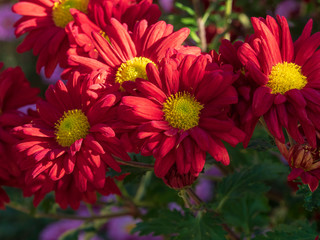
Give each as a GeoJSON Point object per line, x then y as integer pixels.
{"type": "Point", "coordinates": [262, 101]}
{"type": "Point", "coordinates": [199, 160]}
{"type": "Point", "coordinates": [273, 124]}
{"type": "Point", "coordinates": [307, 49]}
{"type": "Point", "coordinates": [295, 172]}
{"type": "Point", "coordinates": [69, 163]}
{"type": "Point", "coordinates": [30, 9]}
{"type": "Point", "coordinates": [246, 53]}
{"type": "Point", "coordinates": [162, 165]}
{"type": "Point", "coordinates": [56, 172]}
{"type": "Point", "coordinates": [167, 144]}
{"type": "Point", "coordinates": [305, 34]}
{"type": "Point", "coordinates": [76, 146]}
{"type": "Point", "coordinates": [109, 160]}
{"type": "Point", "coordinates": [218, 151]}
{"type": "Point", "coordinates": [90, 142]}
{"type": "Point", "coordinates": [287, 50]}
{"type": "Point", "coordinates": [259, 77]}
{"type": "Point", "coordinates": [141, 108]}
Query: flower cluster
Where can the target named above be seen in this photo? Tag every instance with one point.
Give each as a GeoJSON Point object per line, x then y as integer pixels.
{"type": "Point", "coordinates": [132, 86]}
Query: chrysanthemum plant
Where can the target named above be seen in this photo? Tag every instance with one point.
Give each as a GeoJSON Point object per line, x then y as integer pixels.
{"type": "Point", "coordinates": [147, 110]}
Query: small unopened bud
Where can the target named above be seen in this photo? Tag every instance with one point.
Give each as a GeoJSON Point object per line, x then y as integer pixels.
{"type": "Point", "coordinates": [176, 180]}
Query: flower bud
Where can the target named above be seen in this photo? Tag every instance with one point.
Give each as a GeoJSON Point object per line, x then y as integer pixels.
{"type": "Point", "coordinates": [176, 180]}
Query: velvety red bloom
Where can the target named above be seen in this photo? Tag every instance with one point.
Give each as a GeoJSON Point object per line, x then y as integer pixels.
{"type": "Point", "coordinates": [177, 118]}
{"type": "Point", "coordinates": [15, 92]}
{"type": "Point", "coordinates": [73, 137]}
{"type": "Point", "coordinates": [288, 77]}
{"type": "Point", "coordinates": [45, 21]}
{"type": "Point", "coordinates": [100, 13]}
{"type": "Point", "coordinates": [124, 56]}
{"type": "Point", "coordinates": [241, 112]}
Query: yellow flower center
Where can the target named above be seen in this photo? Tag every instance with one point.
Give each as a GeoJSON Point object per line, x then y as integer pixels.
{"type": "Point", "coordinates": [182, 110]}
{"type": "Point", "coordinates": [72, 126]}
{"type": "Point", "coordinates": [286, 76]}
{"type": "Point", "coordinates": [132, 69]}
{"type": "Point", "coordinates": [61, 11]}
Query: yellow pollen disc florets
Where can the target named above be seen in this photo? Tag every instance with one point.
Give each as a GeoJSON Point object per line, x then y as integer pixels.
{"type": "Point", "coordinates": [61, 11]}
{"type": "Point", "coordinates": [72, 126]}
{"type": "Point", "coordinates": [182, 110]}
{"type": "Point", "coordinates": [132, 69]}
{"type": "Point", "coordinates": [286, 76]}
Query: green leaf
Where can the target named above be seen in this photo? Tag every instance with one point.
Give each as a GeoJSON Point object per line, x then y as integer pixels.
{"type": "Point", "coordinates": [182, 226]}
{"type": "Point", "coordinates": [261, 144]}
{"type": "Point", "coordinates": [246, 213]}
{"type": "Point", "coordinates": [70, 235]}
{"type": "Point", "coordinates": [249, 180]}
{"type": "Point", "coordinates": [158, 194]}
{"type": "Point", "coordinates": [134, 176]}
{"type": "Point", "coordinates": [311, 199]}
{"type": "Point", "coordinates": [299, 230]}
{"type": "Point", "coordinates": [74, 233]}
{"type": "Point", "coordinates": [19, 225]}
{"type": "Point", "coordinates": [203, 227]}
{"type": "Point", "coordinates": [194, 37]}
{"type": "Point", "coordinates": [185, 8]}
{"type": "Point", "coordinates": [164, 222]}
{"type": "Point", "coordinates": [188, 21]}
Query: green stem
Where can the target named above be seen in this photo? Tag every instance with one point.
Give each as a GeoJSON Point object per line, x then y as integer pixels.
{"type": "Point", "coordinates": [291, 141]}
{"type": "Point", "coordinates": [183, 195]}
{"type": "Point", "coordinates": [221, 203]}
{"type": "Point", "coordinates": [134, 164]}
{"type": "Point", "coordinates": [201, 25]}
{"type": "Point", "coordinates": [263, 123]}
{"type": "Point", "coordinates": [231, 234]}
{"type": "Point", "coordinates": [194, 197]}
{"type": "Point", "coordinates": [208, 12]}
{"type": "Point", "coordinates": [199, 203]}
{"type": "Point", "coordinates": [142, 187]}
{"type": "Point", "coordinates": [68, 216]}
{"type": "Point", "coordinates": [228, 19]}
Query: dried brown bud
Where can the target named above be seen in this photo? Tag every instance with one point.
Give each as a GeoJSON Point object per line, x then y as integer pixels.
{"type": "Point", "coordinates": [304, 156]}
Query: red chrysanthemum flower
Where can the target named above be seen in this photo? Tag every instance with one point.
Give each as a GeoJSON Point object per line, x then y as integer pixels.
{"type": "Point", "coordinates": [241, 112]}
{"type": "Point", "coordinates": [288, 77]}
{"type": "Point", "coordinates": [72, 136]}
{"type": "Point", "coordinates": [181, 113]}
{"type": "Point", "coordinates": [45, 22]}
{"type": "Point", "coordinates": [15, 92]}
{"type": "Point", "coordinates": [124, 56]}
{"type": "Point", "coordinates": [100, 13]}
